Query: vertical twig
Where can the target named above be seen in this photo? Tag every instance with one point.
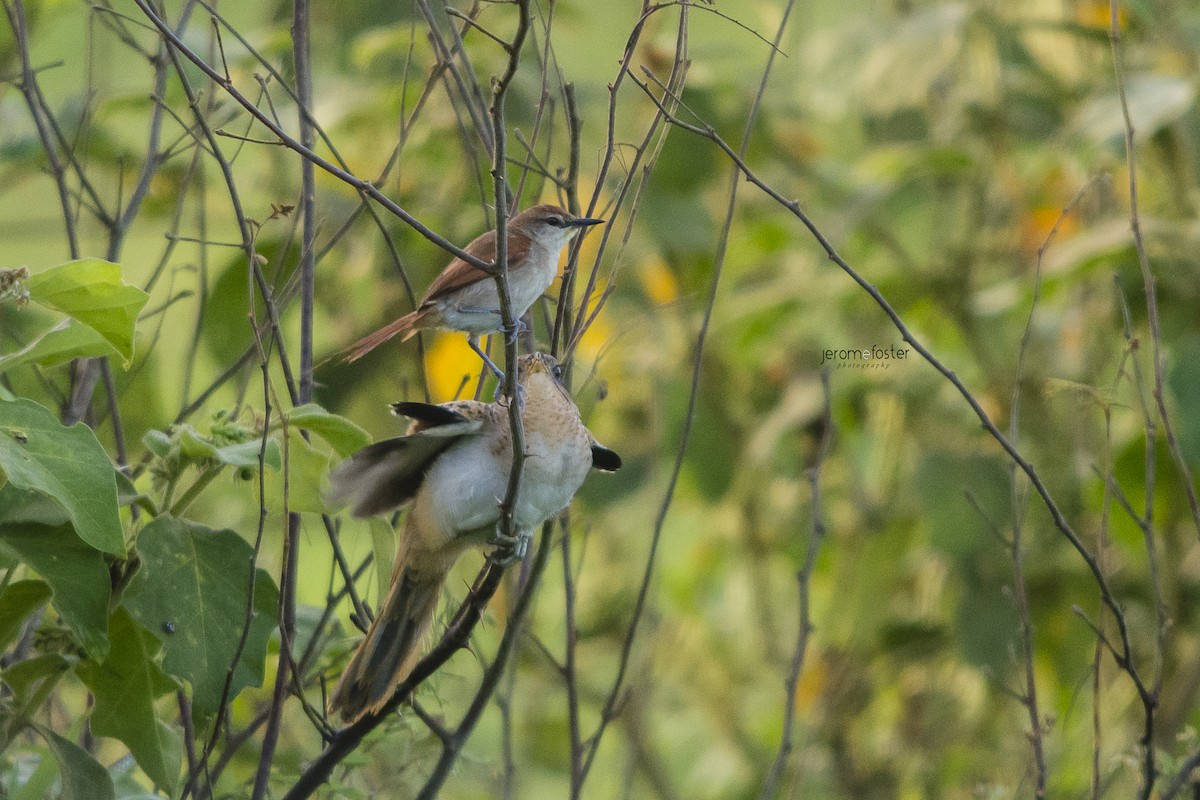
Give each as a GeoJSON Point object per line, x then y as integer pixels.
{"type": "Point", "coordinates": [500, 272]}
{"type": "Point", "coordinates": [804, 585]}
{"type": "Point", "coordinates": [1020, 593]}
{"type": "Point", "coordinates": [290, 568]}
{"type": "Point", "coordinates": [28, 86]}
{"type": "Point", "coordinates": [1148, 280]}
{"type": "Point", "coordinates": [453, 744]}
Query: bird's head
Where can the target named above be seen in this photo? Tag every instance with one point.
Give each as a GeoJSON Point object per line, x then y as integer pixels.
{"type": "Point", "coordinates": [540, 372]}
{"type": "Point", "coordinates": [550, 226]}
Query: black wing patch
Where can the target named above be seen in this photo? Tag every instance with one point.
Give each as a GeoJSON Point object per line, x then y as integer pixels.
{"type": "Point", "coordinates": [431, 415]}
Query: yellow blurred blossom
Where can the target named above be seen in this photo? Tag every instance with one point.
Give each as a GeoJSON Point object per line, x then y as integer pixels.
{"type": "Point", "coordinates": [447, 359]}
{"type": "Point", "coordinates": [1097, 14]}
{"type": "Point", "coordinates": [658, 281]}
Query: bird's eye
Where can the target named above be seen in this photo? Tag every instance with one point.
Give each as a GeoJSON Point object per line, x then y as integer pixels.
{"type": "Point", "coordinates": [557, 372]}
{"type": "Point", "coordinates": [557, 222]}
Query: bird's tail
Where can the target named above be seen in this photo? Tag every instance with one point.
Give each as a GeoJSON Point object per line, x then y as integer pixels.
{"type": "Point", "coordinates": [392, 645]}
{"type": "Point", "coordinates": [408, 325]}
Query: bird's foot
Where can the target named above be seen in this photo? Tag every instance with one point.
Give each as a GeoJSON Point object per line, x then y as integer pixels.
{"type": "Point", "coordinates": [511, 333]}
{"type": "Point", "coordinates": [509, 549]}
{"type": "Point", "coordinates": [501, 398]}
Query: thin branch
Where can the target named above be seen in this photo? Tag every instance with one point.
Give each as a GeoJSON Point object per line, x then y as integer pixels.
{"type": "Point", "coordinates": [1150, 285]}
{"type": "Point", "coordinates": [616, 695]}
{"type": "Point", "coordinates": [458, 632]}
{"type": "Point", "coordinates": [364, 186]}
{"type": "Point", "coordinates": [1020, 594]}
{"type": "Point", "coordinates": [291, 544]}
{"type": "Point", "coordinates": [804, 580]}
{"type": "Point", "coordinates": [491, 678]}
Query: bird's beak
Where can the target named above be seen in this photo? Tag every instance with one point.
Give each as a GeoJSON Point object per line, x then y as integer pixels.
{"type": "Point", "coordinates": [584, 222]}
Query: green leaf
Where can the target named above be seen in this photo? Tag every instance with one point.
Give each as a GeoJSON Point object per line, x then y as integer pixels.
{"type": "Point", "coordinates": [194, 446]}
{"type": "Point", "coordinates": [245, 454]}
{"type": "Point", "coordinates": [93, 292]}
{"type": "Point", "coordinates": [306, 466]}
{"type": "Point", "coordinates": [191, 592]}
{"type": "Point", "coordinates": [342, 435]}
{"type": "Point", "coordinates": [37, 452]}
{"type": "Point", "coordinates": [67, 340]}
{"type": "Point", "coordinates": [18, 601]}
{"type": "Point", "coordinates": [127, 493]}
{"type": "Point", "coordinates": [22, 505]}
{"type": "Point", "coordinates": [32, 680]}
{"type": "Point", "coordinates": [83, 778]}
{"type": "Point", "coordinates": [157, 442]}
{"type": "Point", "coordinates": [76, 573]}
{"type": "Point", "coordinates": [125, 687]}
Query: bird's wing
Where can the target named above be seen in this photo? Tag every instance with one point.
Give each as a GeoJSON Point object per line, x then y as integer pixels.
{"type": "Point", "coordinates": [384, 475]}
{"type": "Point", "coordinates": [440, 420]}
{"type": "Point", "coordinates": [429, 415]}
{"type": "Point", "coordinates": [459, 273]}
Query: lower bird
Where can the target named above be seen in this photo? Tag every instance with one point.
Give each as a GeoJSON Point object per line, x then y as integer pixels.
{"type": "Point", "coordinates": [454, 465]}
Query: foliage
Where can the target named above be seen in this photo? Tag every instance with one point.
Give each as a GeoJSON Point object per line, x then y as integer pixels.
{"type": "Point", "coordinates": [968, 569]}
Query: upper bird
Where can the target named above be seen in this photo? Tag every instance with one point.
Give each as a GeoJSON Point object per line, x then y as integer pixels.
{"type": "Point", "coordinates": [464, 298]}
{"type": "Point", "coordinates": [454, 465]}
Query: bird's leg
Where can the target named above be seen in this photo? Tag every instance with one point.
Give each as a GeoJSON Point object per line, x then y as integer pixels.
{"type": "Point", "coordinates": [517, 329]}
{"type": "Point", "coordinates": [509, 549]}
{"type": "Point", "coordinates": [473, 341]}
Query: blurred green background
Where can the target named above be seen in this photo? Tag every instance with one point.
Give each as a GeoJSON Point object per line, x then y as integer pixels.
{"type": "Point", "coordinates": [936, 144]}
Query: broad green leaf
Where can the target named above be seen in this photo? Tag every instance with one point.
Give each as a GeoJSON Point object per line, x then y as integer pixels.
{"type": "Point", "coordinates": [76, 573]}
{"type": "Point", "coordinates": [343, 435]}
{"type": "Point", "coordinates": [37, 452]}
{"type": "Point", "coordinates": [245, 454]}
{"type": "Point", "coordinates": [191, 592]}
{"type": "Point", "coordinates": [24, 505]}
{"type": "Point", "coordinates": [19, 600]}
{"type": "Point", "coordinates": [83, 778]}
{"type": "Point", "coordinates": [93, 292]}
{"type": "Point", "coordinates": [67, 340]}
{"type": "Point", "coordinates": [125, 686]}
{"type": "Point", "coordinates": [194, 446]}
{"type": "Point", "coordinates": [306, 467]}
{"type": "Point", "coordinates": [127, 493]}
{"type": "Point", "coordinates": [32, 680]}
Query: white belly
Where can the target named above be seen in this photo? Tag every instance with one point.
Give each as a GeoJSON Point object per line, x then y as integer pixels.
{"type": "Point", "coordinates": [462, 492]}
{"type": "Point", "coordinates": [476, 309]}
